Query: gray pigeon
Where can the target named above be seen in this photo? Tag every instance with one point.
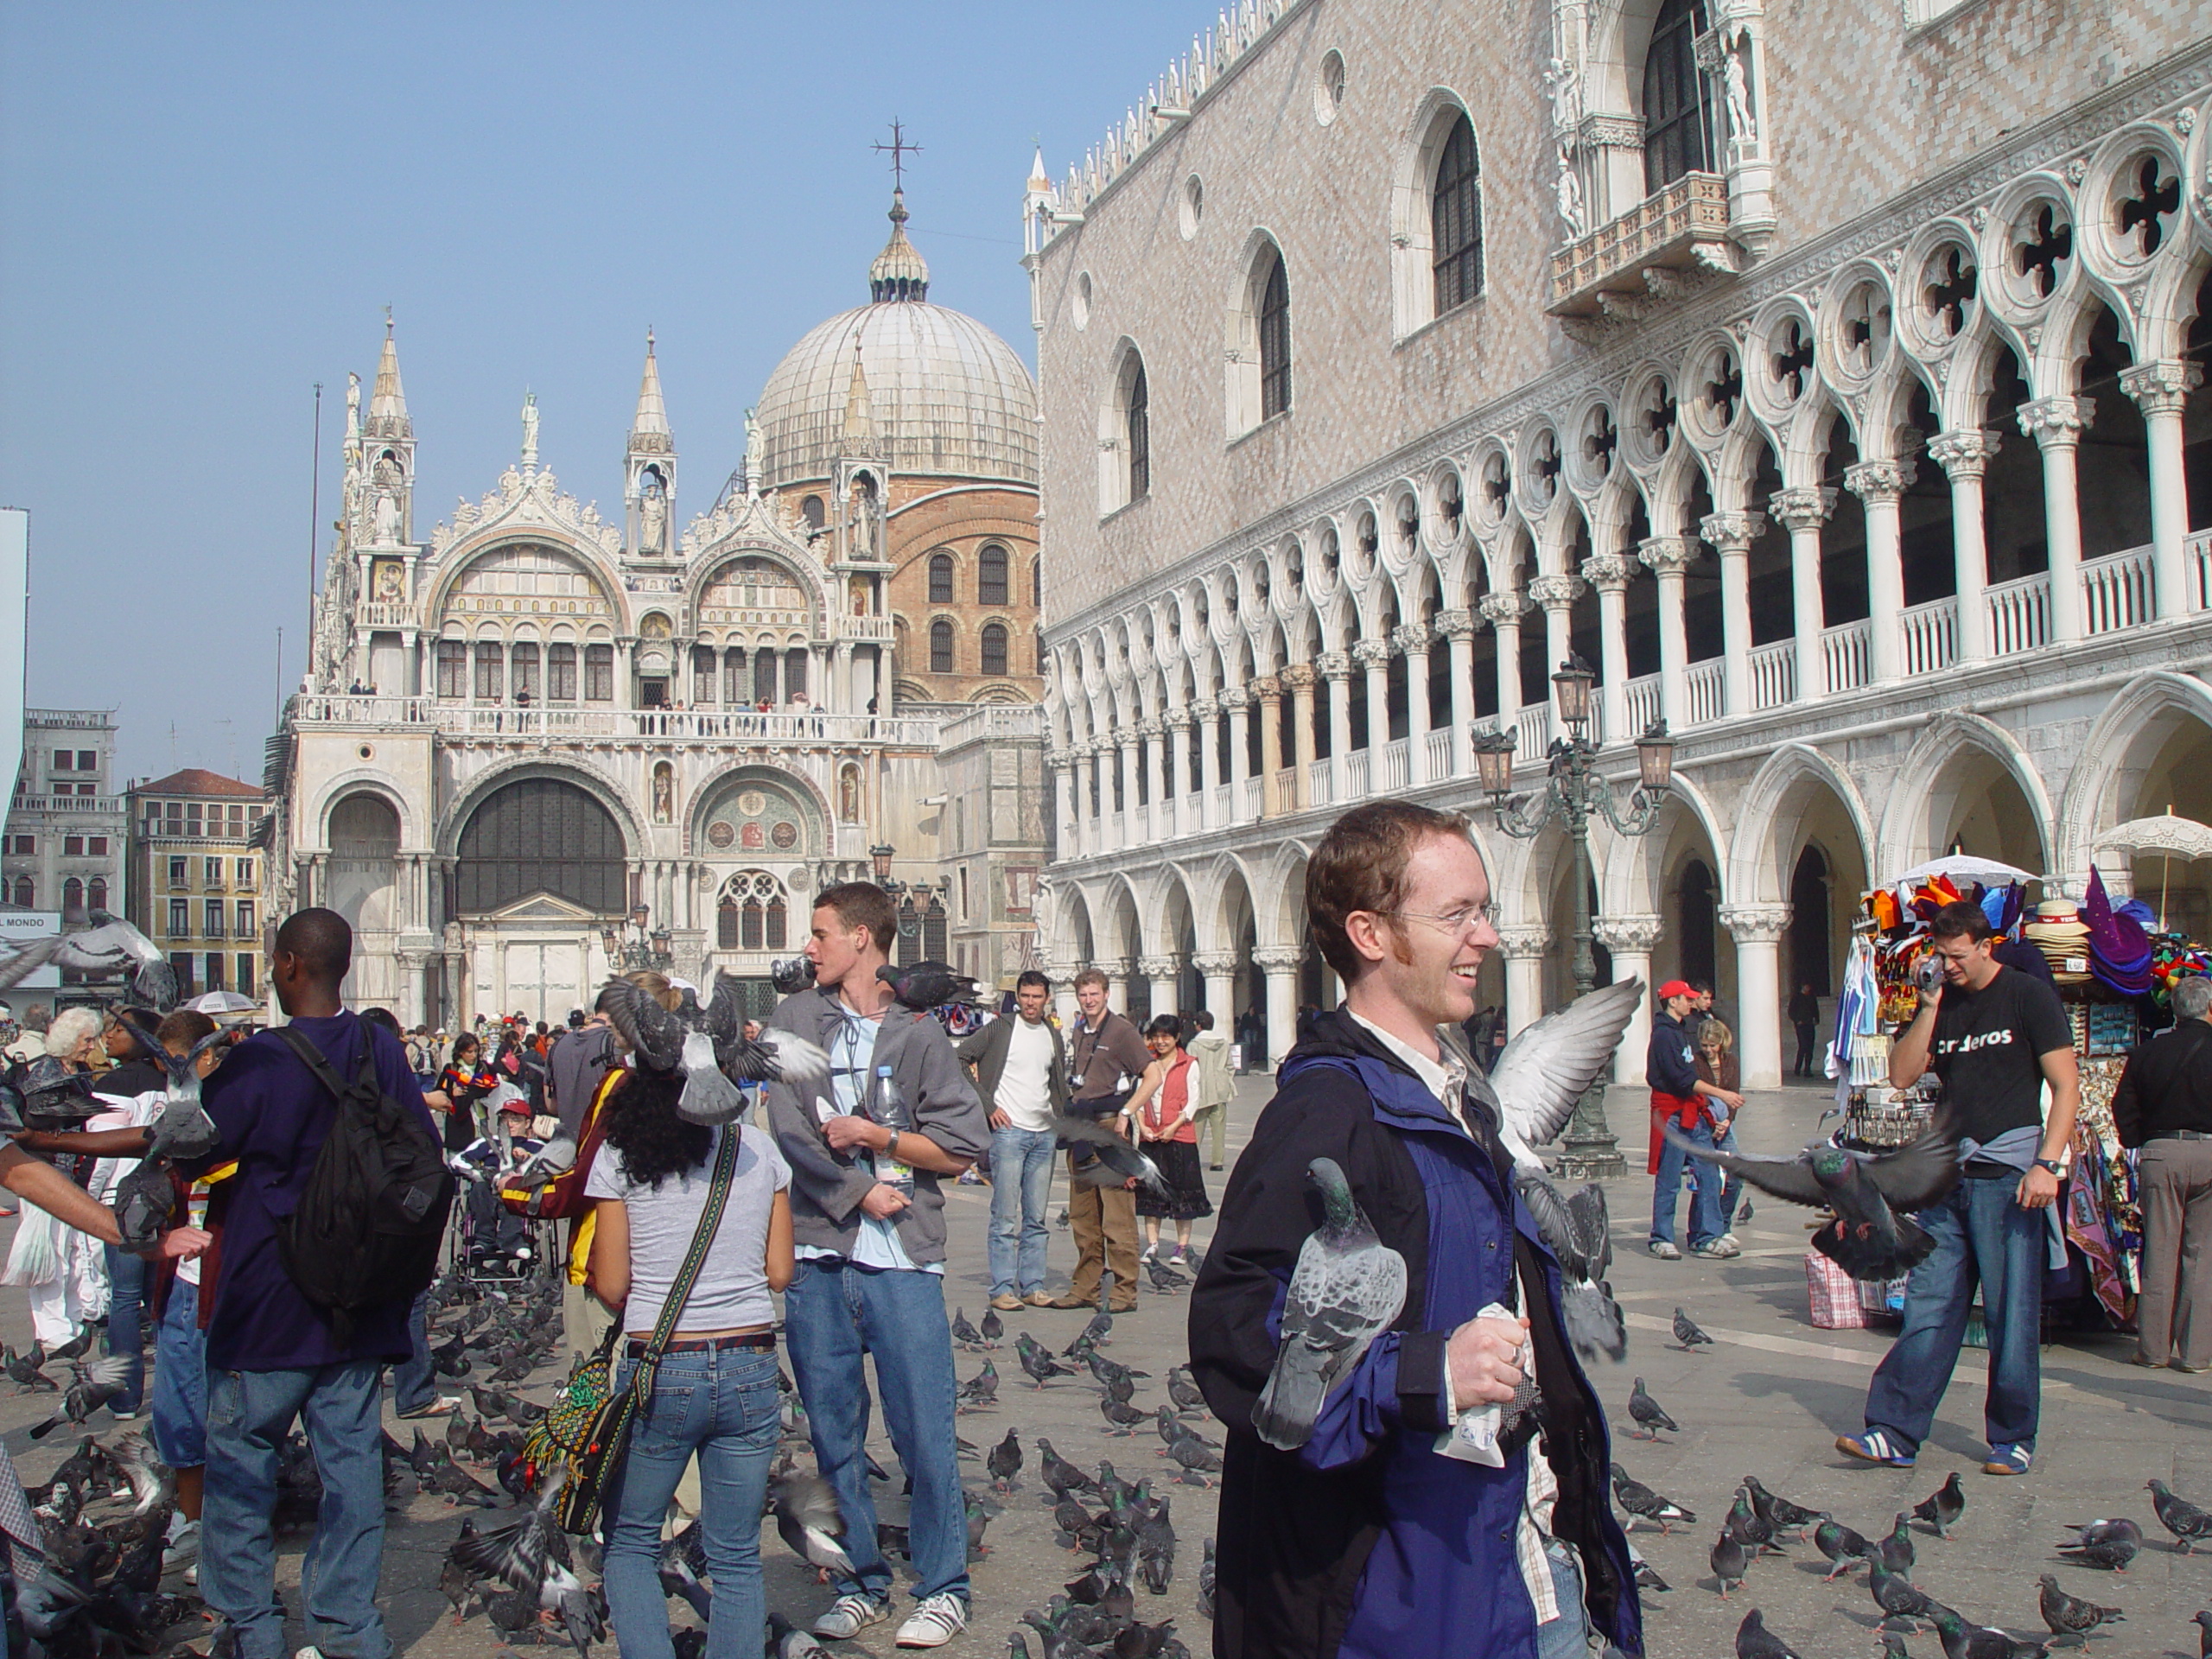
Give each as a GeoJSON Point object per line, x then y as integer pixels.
{"type": "Point", "coordinates": [109, 946]}
{"type": "Point", "coordinates": [1729, 1559]}
{"type": "Point", "coordinates": [2178, 1515]}
{"type": "Point", "coordinates": [2070, 1615]}
{"type": "Point", "coordinates": [808, 1518]}
{"type": "Point", "coordinates": [1347, 1287]}
{"type": "Point", "coordinates": [1871, 1194]}
{"type": "Point", "coordinates": [707, 1047]}
{"type": "Point", "coordinates": [2109, 1544]}
{"type": "Point", "coordinates": [1755, 1641]}
{"type": "Point", "coordinates": [1647, 1414]}
{"type": "Point", "coordinates": [1687, 1337]}
{"type": "Point", "coordinates": [1965, 1641]}
{"type": "Point", "coordinates": [1640, 1503]}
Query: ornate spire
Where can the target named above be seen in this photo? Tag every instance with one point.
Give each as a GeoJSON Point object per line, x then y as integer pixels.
{"type": "Point", "coordinates": [860, 411]}
{"type": "Point", "coordinates": [649, 433]}
{"type": "Point", "coordinates": [899, 272]}
{"type": "Point", "coordinates": [1040, 182]}
{"type": "Point", "coordinates": [388, 403]}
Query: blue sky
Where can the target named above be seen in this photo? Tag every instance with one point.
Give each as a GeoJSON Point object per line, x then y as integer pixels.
{"type": "Point", "coordinates": [207, 209]}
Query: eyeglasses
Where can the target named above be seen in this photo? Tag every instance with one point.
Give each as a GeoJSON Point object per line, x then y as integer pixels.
{"type": "Point", "coordinates": [1463, 920]}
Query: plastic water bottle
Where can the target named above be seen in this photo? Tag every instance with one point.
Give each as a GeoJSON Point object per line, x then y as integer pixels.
{"type": "Point", "coordinates": [888, 1108]}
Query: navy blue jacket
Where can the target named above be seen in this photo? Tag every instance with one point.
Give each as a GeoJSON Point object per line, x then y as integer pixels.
{"type": "Point", "coordinates": [1367, 1541]}
{"type": "Point", "coordinates": [1669, 1064]}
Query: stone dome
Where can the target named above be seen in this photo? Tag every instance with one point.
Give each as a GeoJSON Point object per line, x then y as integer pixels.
{"type": "Point", "coordinates": [927, 390]}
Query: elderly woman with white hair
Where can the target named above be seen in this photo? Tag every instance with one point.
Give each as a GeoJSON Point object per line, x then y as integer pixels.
{"type": "Point", "coordinates": [68, 1283]}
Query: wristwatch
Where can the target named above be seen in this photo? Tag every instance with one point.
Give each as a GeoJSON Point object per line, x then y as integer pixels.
{"type": "Point", "coordinates": [2048, 1163]}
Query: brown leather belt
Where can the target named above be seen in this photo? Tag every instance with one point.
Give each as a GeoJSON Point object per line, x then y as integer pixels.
{"type": "Point", "coordinates": [762, 1340]}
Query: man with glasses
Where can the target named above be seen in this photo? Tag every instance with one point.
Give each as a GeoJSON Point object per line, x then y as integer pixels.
{"type": "Point", "coordinates": [1368, 1538]}
{"type": "Point", "coordinates": [1996, 1037]}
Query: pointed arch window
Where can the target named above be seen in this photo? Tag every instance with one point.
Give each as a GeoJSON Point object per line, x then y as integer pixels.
{"type": "Point", "coordinates": [990, 576]}
{"type": "Point", "coordinates": [1275, 339]}
{"type": "Point", "coordinates": [1456, 220]}
{"type": "Point", "coordinates": [753, 914]}
{"type": "Point", "coordinates": [1140, 434]}
{"type": "Point", "coordinates": [940, 646]}
{"type": "Point", "coordinates": [1677, 98]}
{"type": "Point", "coordinates": [994, 651]}
{"type": "Point", "coordinates": [940, 578]}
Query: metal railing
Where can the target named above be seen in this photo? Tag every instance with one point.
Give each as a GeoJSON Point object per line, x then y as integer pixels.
{"type": "Point", "coordinates": [1931, 636]}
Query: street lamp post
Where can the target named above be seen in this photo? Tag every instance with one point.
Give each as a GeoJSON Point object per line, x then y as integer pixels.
{"type": "Point", "coordinates": [1573, 792]}
{"type": "Point", "coordinates": [634, 945]}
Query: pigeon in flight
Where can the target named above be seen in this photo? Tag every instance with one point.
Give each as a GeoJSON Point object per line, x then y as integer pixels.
{"type": "Point", "coordinates": [1347, 1288]}
{"type": "Point", "coordinates": [1871, 1194]}
{"type": "Point", "coordinates": [109, 946]}
{"type": "Point", "coordinates": [1116, 1160]}
{"type": "Point", "coordinates": [707, 1048]}
{"type": "Point", "coordinates": [808, 1520]}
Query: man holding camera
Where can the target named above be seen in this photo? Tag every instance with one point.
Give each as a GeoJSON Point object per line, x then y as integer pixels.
{"type": "Point", "coordinates": [1995, 1037]}
{"type": "Point", "coordinates": [1105, 1056]}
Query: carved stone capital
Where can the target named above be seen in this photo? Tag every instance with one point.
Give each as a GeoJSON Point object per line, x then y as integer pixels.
{"type": "Point", "coordinates": [1806, 507]}
{"type": "Point", "coordinates": [1235, 698]}
{"type": "Point", "coordinates": [2161, 386]}
{"type": "Point", "coordinates": [1634, 935]}
{"type": "Point", "coordinates": [1278, 958]}
{"type": "Point", "coordinates": [1756, 924]}
{"type": "Point", "coordinates": [1206, 709]}
{"type": "Point", "coordinates": [1667, 555]}
{"type": "Point", "coordinates": [1410, 637]}
{"type": "Point", "coordinates": [1115, 968]}
{"type": "Point", "coordinates": [1335, 665]}
{"type": "Point", "coordinates": [1215, 963]}
{"type": "Point", "coordinates": [1607, 572]}
{"type": "Point", "coordinates": [1455, 625]}
{"type": "Point", "coordinates": [1371, 653]}
{"type": "Point", "coordinates": [1159, 967]}
{"type": "Point", "coordinates": [1521, 942]}
{"type": "Point", "coordinates": [1963, 455]}
{"type": "Point", "coordinates": [1557, 593]}
{"type": "Point", "coordinates": [2056, 423]}
{"type": "Point", "coordinates": [1151, 730]}
{"type": "Point", "coordinates": [1505, 607]}
{"type": "Point", "coordinates": [1879, 483]}
{"type": "Point", "coordinates": [1300, 677]}
{"type": "Point", "coordinates": [1267, 686]}
{"type": "Point", "coordinates": [1732, 533]}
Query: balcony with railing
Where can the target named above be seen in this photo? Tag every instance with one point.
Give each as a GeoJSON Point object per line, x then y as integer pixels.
{"type": "Point", "coordinates": [583, 724]}
{"type": "Point", "coordinates": [1930, 636]}
{"type": "Point", "coordinates": [1625, 262]}
{"type": "Point", "coordinates": [1773, 676]}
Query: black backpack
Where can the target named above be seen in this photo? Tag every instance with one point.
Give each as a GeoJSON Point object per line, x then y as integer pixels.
{"type": "Point", "coordinates": [371, 1218]}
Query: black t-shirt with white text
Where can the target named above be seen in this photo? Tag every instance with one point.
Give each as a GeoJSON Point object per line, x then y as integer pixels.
{"type": "Point", "coordinates": [1987, 1047]}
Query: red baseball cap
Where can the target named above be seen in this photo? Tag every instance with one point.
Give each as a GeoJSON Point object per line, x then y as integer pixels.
{"type": "Point", "coordinates": [1675, 987]}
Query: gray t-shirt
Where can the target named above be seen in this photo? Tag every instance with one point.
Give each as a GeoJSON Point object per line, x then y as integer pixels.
{"type": "Point", "coordinates": [731, 1289]}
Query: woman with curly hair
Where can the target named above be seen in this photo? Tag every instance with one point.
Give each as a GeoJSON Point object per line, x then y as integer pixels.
{"type": "Point", "coordinates": [714, 1393]}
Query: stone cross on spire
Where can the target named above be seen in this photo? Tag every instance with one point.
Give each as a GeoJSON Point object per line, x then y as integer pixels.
{"type": "Point", "coordinates": [897, 149]}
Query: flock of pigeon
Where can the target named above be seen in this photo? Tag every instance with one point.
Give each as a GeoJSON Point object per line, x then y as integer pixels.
{"type": "Point", "coordinates": [1759, 1524]}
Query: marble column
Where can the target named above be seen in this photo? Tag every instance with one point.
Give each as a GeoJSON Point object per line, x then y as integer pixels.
{"type": "Point", "coordinates": [1116, 970]}
{"type": "Point", "coordinates": [1279, 964]}
{"type": "Point", "coordinates": [1457, 629]}
{"type": "Point", "coordinates": [1153, 734]}
{"type": "Point", "coordinates": [1523, 949]}
{"type": "Point", "coordinates": [1238, 701]}
{"type": "Point", "coordinates": [1757, 931]}
{"type": "Point", "coordinates": [1298, 676]}
{"type": "Point", "coordinates": [1162, 973]}
{"type": "Point", "coordinates": [1133, 746]}
{"type": "Point", "coordinates": [2161, 389]}
{"type": "Point", "coordinates": [1608, 573]}
{"type": "Point", "coordinates": [1086, 780]}
{"type": "Point", "coordinates": [1964, 456]}
{"type": "Point", "coordinates": [1065, 835]}
{"type": "Point", "coordinates": [841, 688]}
{"type": "Point", "coordinates": [416, 967]}
{"type": "Point", "coordinates": [1730, 536]}
{"type": "Point", "coordinates": [2056, 424]}
{"type": "Point", "coordinates": [1879, 485]}
{"type": "Point", "coordinates": [1269, 690]}
{"type": "Point", "coordinates": [1630, 940]}
{"type": "Point", "coordinates": [1178, 769]}
{"type": "Point", "coordinates": [1667, 557]}
{"type": "Point", "coordinates": [1802, 511]}
{"type": "Point", "coordinates": [1412, 641]}
{"type": "Point", "coordinates": [1218, 969]}
{"type": "Point", "coordinates": [1208, 712]}
{"type": "Point", "coordinates": [1372, 657]}
{"type": "Point", "coordinates": [1504, 611]}
{"type": "Point", "coordinates": [1557, 595]}
{"type": "Point", "coordinates": [1335, 667]}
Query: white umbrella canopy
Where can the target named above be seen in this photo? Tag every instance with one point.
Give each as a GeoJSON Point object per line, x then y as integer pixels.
{"type": "Point", "coordinates": [2176, 837]}
{"type": "Point", "coordinates": [221, 1002]}
{"type": "Point", "coordinates": [1965, 867]}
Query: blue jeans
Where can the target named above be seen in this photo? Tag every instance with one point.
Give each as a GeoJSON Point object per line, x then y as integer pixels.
{"type": "Point", "coordinates": [1022, 1187]}
{"type": "Point", "coordinates": [1731, 1187]}
{"type": "Point", "coordinates": [180, 1404]}
{"type": "Point", "coordinates": [720, 1403]}
{"type": "Point", "coordinates": [1704, 1203]}
{"type": "Point", "coordinates": [126, 1323]}
{"type": "Point", "coordinates": [414, 1381]}
{"type": "Point", "coordinates": [1567, 1636]}
{"type": "Point", "coordinates": [250, 1415]}
{"type": "Point", "coordinates": [833, 1314]}
{"type": "Point", "coordinates": [1981, 1236]}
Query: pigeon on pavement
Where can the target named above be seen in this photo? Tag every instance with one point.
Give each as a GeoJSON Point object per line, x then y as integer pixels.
{"type": "Point", "coordinates": [1778, 1512]}
{"type": "Point", "coordinates": [1347, 1287]}
{"type": "Point", "coordinates": [2203, 1622]}
{"type": "Point", "coordinates": [1005, 1461]}
{"type": "Point", "coordinates": [2108, 1544]}
{"type": "Point", "coordinates": [1687, 1337]}
{"type": "Point", "coordinates": [1649, 1417]}
{"type": "Point", "coordinates": [1942, 1507]}
{"type": "Point", "coordinates": [1844, 1547]}
{"type": "Point", "coordinates": [1755, 1641]}
{"type": "Point", "coordinates": [1965, 1641]}
{"type": "Point", "coordinates": [2178, 1515]}
{"type": "Point", "coordinates": [1871, 1194]}
{"type": "Point", "coordinates": [1897, 1596]}
{"type": "Point", "coordinates": [1727, 1558]}
{"type": "Point", "coordinates": [1897, 1550]}
{"type": "Point", "coordinates": [2070, 1615]}
{"type": "Point", "coordinates": [991, 1327]}
{"type": "Point", "coordinates": [808, 1519]}
{"type": "Point", "coordinates": [1642, 1503]}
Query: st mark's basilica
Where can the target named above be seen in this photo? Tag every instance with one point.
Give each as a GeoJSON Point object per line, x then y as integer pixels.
{"type": "Point", "coordinates": [535, 743]}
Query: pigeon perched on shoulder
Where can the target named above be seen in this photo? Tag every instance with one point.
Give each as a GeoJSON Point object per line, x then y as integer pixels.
{"type": "Point", "coordinates": [1942, 1507]}
{"type": "Point", "coordinates": [922, 986]}
{"type": "Point", "coordinates": [1871, 1194]}
{"type": "Point", "coordinates": [2070, 1615]}
{"type": "Point", "coordinates": [1533, 1090]}
{"type": "Point", "coordinates": [1346, 1289]}
{"type": "Point", "coordinates": [2178, 1515]}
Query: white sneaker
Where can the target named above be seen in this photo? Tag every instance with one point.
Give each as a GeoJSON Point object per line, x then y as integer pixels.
{"type": "Point", "coordinates": [849, 1615]}
{"type": "Point", "coordinates": [183, 1549]}
{"type": "Point", "coordinates": [1663, 1251]}
{"type": "Point", "coordinates": [1149, 1252]}
{"type": "Point", "coordinates": [1731, 1241]}
{"type": "Point", "coordinates": [935, 1623]}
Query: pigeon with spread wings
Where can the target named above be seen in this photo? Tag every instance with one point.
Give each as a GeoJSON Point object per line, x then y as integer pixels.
{"type": "Point", "coordinates": [1533, 1090]}
{"type": "Point", "coordinates": [707, 1047]}
{"type": "Point", "coordinates": [109, 946]}
{"type": "Point", "coordinates": [1871, 1194]}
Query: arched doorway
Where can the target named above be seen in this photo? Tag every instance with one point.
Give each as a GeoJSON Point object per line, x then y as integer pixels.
{"type": "Point", "coordinates": [1811, 924]}
{"type": "Point", "coordinates": [1696, 902]}
{"type": "Point", "coordinates": [542, 865]}
{"type": "Point", "coordinates": [363, 886]}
